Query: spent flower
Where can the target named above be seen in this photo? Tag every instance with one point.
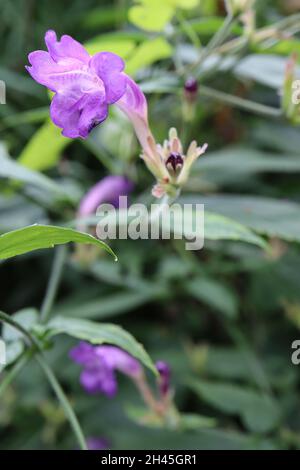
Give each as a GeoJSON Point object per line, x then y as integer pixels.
{"type": "Point", "coordinates": [169, 164]}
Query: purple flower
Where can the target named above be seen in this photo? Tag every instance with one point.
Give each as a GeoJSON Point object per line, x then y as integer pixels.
{"type": "Point", "coordinates": [99, 366]}
{"type": "Point", "coordinates": [85, 86]}
{"type": "Point", "coordinates": [106, 190]}
{"type": "Point", "coordinates": [97, 443]}
{"type": "Point", "coordinates": [164, 377]}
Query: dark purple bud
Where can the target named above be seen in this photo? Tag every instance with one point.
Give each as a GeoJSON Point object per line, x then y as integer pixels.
{"type": "Point", "coordinates": [174, 162]}
{"type": "Point", "coordinates": [165, 374]}
{"type": "Point", "coordinates": [191, 86]}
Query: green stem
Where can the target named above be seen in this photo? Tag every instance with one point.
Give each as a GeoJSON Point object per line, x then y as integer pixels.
{"type": "Point", "coordinates": [188, 30]}
{"type": "Point", "coordinates": [13, 372]}
{"type": "Point", "coordinates": [39, 355]}
{"type": "Point", "coordinates": [63, 401]}
{"type": "Point", "coordinates": [58, 263]}
{"type": "Point", "coordinates": [241, 103]}
{"type": "Point", "coordinates": [215, 41]}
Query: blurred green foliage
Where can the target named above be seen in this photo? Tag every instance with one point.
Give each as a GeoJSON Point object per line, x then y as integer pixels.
{"type": "Point", "coordinates": [225, 317]}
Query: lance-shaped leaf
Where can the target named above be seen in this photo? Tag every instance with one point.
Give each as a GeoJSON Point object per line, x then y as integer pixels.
{"type": "Point", "coordinates": [35, 237]}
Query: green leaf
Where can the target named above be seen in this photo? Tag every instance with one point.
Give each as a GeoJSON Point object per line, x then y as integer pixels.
{"type": "Point", "coordinates": [11, 169]}
{"type": "Point", "coordinates": [283, 47]}
{"type": "Point", "coordinates": [16, 212]}
{"type": "Point", "coordinates": [13, 338]}
{"type": "Point", "coordinates": [193, 421]}
{"type": "Point", "coordinates": [266, 69]}
{"type": "Point", "coordinates": [26, 317]}
{"type": "Point", "coordinates": [166, 83]}
{"type": "Point", "coordinates": [44, 149]}
{"type": "Point", "coordinates": [110, 43]}
{"type": "Point", "coordinates": [20, 83]}
{"type": "Point", "coordinates": [214, 294]}
{"type": "Point", "coordinates": [272, 217]}
{"type": "Point", "coordinates": [148, 53]}
{"type": "Point", "coordinates": [107, 306]}
{"type": "Point", "coordinates": [227, 363]}
{"type": "Point", "coordinates": [36, 237]}
{"type": "Point", "coordinates": [216, 226]}
{"type": "Point", "coordinates": [103, 17]}
{"type": "Point", "coordinates": [185, 4]}
{"type": "Point", "coordinates": [13, 350]}
{"type": "Point", "coordinates": [259, 412]}
{"type": "Point", "coordinates": [98, 333]}
{"type": "Point", "coordinates": [151, 15]}
{"type": "Point", "coordinates": [227, 163]}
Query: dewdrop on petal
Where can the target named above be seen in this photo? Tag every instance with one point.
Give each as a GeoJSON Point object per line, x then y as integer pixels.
{"type": "Point", "coordinates": [170, 165]}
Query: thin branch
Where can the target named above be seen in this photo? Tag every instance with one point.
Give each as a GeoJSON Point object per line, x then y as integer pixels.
{"type": "Point", "coordinates": [241, 103]}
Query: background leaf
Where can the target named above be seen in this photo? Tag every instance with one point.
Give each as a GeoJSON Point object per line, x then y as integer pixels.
{"type": "Point", "coordinates": [44, 148]}
{"type": "Point", "coordinates": [272, 217]}
{"type": "Point", "coordinates": [259, 412]}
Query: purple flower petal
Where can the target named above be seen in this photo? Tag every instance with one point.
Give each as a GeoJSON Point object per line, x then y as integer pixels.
{"type": "Point", "coordinates": [107, 190]}
{"type": "Point", "coordinates": [83, 353]}
{"type": "Point", "coordinates": [109, 68]}
{"type": "Point", "coordinates": [47, 72]}
{"type": "Point", "coordinates": [99, 365]}
{"type": "Point", "coordinates": [99, 380]}
{"type": "Point", "coordinates": [118, 359]}
{"type": "Point", "coordinates": [78, 113]}
{"type": "Point", "coordinates": [97, 443]}
{"type": "Point", "coordinates": [66, 48]}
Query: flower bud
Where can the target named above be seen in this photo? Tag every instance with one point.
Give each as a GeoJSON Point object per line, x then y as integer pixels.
{"type": "Point", "coordinates": [190, 98]}
{"type": "Point", "coordinates": [164, 377]}
{"type": "Point", "coordinates": [191, 88]}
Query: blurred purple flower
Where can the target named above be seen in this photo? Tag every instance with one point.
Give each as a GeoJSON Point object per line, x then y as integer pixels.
{"type": "Point", "coordinates": [85, 86]}
{"type": "Point", "coordinates": [97, 443]}
{"type": "Point", "coordinates": [106, 190]}
{"type": "Point", "coordinates": [164, 377]}
{"type": "Point", "coordinates": [99, 366]}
